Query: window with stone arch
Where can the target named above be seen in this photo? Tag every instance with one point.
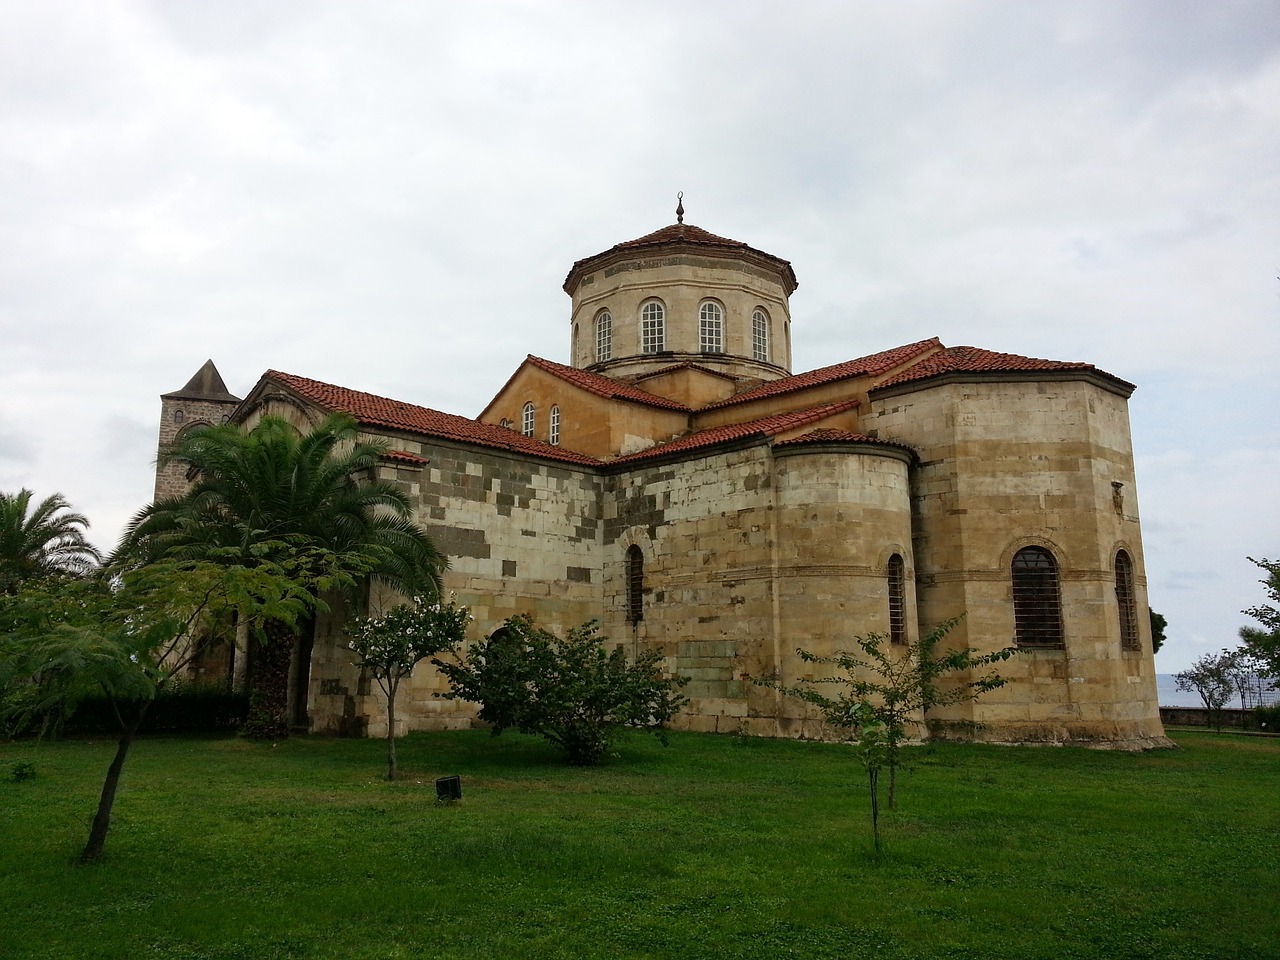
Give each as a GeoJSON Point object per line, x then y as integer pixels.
{"type": "Point", "coordinates": [635, 584]}
{"type": "Point", "coordinates": [1126, 602]}
{"type": "Point", "coordinates": [760, 335]}
{"type": "Point", "coordinates": [653, 327]}
{"type": "Point", "coordinates": [527, 418]}
{"type": "Point", "coordinates": [553, 432]}
{"type": "Point", "coordinates": [1037, 601]}
{"type": "Point", "coordinates": [604, 336]}
{"type": "Point", "coordinates": [574, 347]}
{"type": "Point", "coordinates": [897, 578]}
{"type": "Point", "coordinates": [711, 327]}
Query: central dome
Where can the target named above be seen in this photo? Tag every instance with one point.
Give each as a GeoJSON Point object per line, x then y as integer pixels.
{"type": "Point", "coordinates": [682, 295]}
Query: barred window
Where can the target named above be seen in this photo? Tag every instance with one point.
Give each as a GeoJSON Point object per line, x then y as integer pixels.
{"type": "Point", "coordinates": [635, 584]}
{"type": "Point", "coordinates": [553, 434]}
{"type": "Point", "coordinates": [1126, 603]}
{"type": "Point", "coordinates": [897, 600]}
{"type": "Point", "coordinates": [527, 420]}
{"type": "Point", "coordinates": [1037, 604]}
{"type": "Point", "coordinates": [760, 336]}
{"type": "Point", "coordinates": [653, 334]}
{"type": "Point", "coordinates": [604, 337]}
{"type": "Point", "coordinates": [711, 327]}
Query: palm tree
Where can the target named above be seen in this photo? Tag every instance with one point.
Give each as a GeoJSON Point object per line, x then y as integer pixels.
{"type": "Point", "coordinates": [41, 542]}
{"type": "Point", "coordinates": [271, 494]}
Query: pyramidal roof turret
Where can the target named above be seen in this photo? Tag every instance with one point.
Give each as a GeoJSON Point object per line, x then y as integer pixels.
{"type": "Point", "coordinates": [205, 385]}
{"type": "Point", "coordinates": [690, 238]}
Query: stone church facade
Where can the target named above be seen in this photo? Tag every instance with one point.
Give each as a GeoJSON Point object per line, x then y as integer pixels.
{"type": "Point", "coordinates": [679, 484]}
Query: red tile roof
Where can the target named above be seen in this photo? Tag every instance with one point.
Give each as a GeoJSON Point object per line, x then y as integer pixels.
{"type": "Point", "coordinates": [760, 428]}
{"type": "Point", "coordinates": [605, 387]}
{"type": "Point", "coordinates": [684, 234]}
{"type": "Point", "coordinates": [977, 360]}
{"type": "Point", "coordinates": [374, 411]}
{"type": "Point", "coordinates": [404, 456]}
{"type": "Point", "coordinates": [870, 366]}
{"type": "Point", "coordinates": [828, 435]}
{"type": "Point", "coordinates": [687, 365]}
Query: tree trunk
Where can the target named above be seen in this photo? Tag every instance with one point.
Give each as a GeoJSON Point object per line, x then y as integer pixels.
{"type": "Point", "coordinates": [269, 683]}
{"type": "Point", "coordinates": [102, 819]}
{"type": "Point", "coordinates": [873, 776]}
{"type": "Point", "coordinates": [391, 732]}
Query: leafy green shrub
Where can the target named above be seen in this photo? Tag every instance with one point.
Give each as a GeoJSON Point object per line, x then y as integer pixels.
{"type": "Point", "coordinates": [1267, 718]}
{"type": "Point", "coordinates": [570, 692]}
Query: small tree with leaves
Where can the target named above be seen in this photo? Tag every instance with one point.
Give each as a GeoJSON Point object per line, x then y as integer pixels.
{"type": "Point", "coordinates": [391, 645]}
{"type": "Point", "coordinates": [900, 682]}
{"type": "Point", "coordinates": [1212, 677]}
{"type": "Point", "coordinates": [569, 691]}
{"type": "Point", "coordinates": [126, 637]}
{"type": "Point", "coordinates": [1263, 645]}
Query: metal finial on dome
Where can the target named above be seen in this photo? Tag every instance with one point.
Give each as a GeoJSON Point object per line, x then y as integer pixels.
{"type": "Point", "coordinates": [680, 207]}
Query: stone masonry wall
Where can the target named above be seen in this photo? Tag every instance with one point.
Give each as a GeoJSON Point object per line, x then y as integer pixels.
{"type": "Point", "coordinates": [1007, 465]}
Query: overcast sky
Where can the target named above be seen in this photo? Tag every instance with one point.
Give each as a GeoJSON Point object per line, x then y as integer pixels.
{"type": "Point", "coordinates": [388, 196]}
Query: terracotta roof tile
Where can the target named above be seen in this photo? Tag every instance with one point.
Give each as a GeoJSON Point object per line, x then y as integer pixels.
{"type": "Point", "coordinates": [761, 428]}
{"type": "Point", "coordinates": [869, 366]}
{"type": "Point", "coordinates": [684, 234]}
{"type": "Point", "coordinates": [404, 456]}
{"type": "Point", "coordinates": [374, 411]}
{"type": "Point", "coordinates": [605, 387]}
{"type": "Point", "coordinates": [828, 435]}
{"type": "Point", "coordinates": [687, 365]}
{"type": "Point", "coordinates": [977, 360]}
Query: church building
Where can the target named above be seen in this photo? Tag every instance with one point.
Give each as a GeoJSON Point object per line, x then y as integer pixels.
{"type": "Point", "coordinates": [679, 483]}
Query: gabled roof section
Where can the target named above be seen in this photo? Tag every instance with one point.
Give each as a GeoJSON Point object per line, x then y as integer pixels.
{"type": "Point", "coordinates": [761, 428]}
{"type": "Point", "coordinates": [371, 410]}
{"type": "Point", "coordinates": [205, 385]}
{"type": "Point", "coordinates": [969, 361]}
{"type": "Point", "coordinates": [601, 386]}
{"type": "Point", "coordinates": [683, 234]}
{"type": "Point", "coordinates": [686, 365]}
{"type": "Point", "coordinates": [869, 366]}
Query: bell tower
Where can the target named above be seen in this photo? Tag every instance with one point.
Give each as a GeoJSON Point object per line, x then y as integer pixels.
{"type": "Point", "coordinates": [203, 402]}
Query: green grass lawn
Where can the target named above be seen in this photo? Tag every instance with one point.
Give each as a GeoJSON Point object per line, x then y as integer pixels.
{"type": "Point", "coordinates": [713, 847]}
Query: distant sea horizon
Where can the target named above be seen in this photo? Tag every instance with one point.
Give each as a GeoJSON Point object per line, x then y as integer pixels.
{"type": "Point", "coordinates": [1168, 694]}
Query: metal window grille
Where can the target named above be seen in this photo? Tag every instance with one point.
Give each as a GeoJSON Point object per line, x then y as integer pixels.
{"type": "Point", "coordinates": [653, 336]}
{"type": "Point", "coordinates": [1125, 602]}
{"type": "Point", "coordinates": [554, 434]}
{"type": "Point", "coordinates": [897, 601]}
{"type": "Point", "coordinates": [635, 584]}
{"type": "Point", "coordinates": [711, 328]}
{"type": "Point", "coordinates": [760, 336]}
{"type": "Point", "coordinates": [1037, 603]}
{"type": "Point", "coordinates": [527, 420]}
{"type": "Point", "coordinates": [604, 337]}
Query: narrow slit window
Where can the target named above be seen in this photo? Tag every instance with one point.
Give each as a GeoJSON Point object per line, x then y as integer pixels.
{"type": "Point", "coordinates": [653, 333]}
{"type": "Point", "coordinates": [897, 600]}
{"type": "Point", "coordinates": [760, 336]}
{"type": "Point", "coordinates": [635, 584]}
{"type": "Point", "coordinates": [1126, 602]}
{"type": "Point", "coordinates": [604, 337]}
{"type": "Point", "coordinates": [711, 328]}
